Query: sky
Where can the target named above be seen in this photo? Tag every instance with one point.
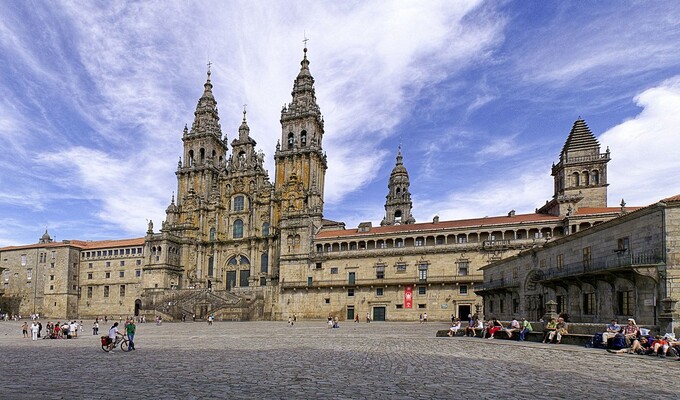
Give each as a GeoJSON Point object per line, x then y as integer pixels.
{"type": "Point", "coordinates": [480, 95]}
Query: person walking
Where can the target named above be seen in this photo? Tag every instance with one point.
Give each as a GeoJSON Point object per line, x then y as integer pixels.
{"type": "Point", "coordinates": [130, 329]}
{"type": "Point", "coordinates": [34, 330]}
{"type": "Point", "coordinates": [24, 329]}
{"type": "Point", "coordinates": [95, 328]}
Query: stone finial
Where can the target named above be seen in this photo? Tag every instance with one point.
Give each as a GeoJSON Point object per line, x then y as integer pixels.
{"type": "Point", "coordinates": [623, 206]}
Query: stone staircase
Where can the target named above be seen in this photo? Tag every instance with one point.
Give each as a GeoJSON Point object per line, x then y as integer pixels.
{"type": "Point", "coordinates": [223, 305]}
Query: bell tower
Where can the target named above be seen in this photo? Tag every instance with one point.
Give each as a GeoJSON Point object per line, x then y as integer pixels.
{"type": "Point", "coordinates": [398, 204]}
{"type": "Point", "coordinates": [580, 177]}
{"type": "Point", "coordinates": [300, 167]}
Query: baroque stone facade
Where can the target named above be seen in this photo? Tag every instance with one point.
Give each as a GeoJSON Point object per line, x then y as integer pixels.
{"type": "Point", "coordinates": [236, 245]}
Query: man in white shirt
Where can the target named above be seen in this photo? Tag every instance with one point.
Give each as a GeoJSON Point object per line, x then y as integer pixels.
{"type": "Point", "coordinates": [34, 330]}
{"type": "Point", "coordinates": [112, 335]}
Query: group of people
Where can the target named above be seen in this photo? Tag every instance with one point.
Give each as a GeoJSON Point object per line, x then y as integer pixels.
{"type": "Point", "coordinates": [631, 339]}
{"type": "Point", "coordinates": [490, 328]}
{"type": "Point", "coordinates": [67, 330]}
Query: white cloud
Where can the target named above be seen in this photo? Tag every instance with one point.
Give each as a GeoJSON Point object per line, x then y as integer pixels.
{"type": "Point", "coordinates": [644, 163]}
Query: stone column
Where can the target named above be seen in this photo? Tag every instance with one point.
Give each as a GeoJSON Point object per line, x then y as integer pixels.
{"type": "Point", "coordinates": [669, 318]}
{"type": "Point", "coordinates": [550, 310]}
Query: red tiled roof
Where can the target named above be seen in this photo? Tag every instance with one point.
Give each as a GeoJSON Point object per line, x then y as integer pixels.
{"type": "Point", "coordinates": [672, 198]}
{"type": "Point", "coordinates": [520, 218]}
{"type": "Point", "coordinates": [81, 244]}
{"type": "Point", "coordinates": [603, 210]}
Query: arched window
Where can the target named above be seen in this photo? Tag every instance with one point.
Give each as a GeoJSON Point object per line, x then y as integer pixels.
{"type": "Point", "coordinates": [238, 229]}
{"type": "Point", "coordinates": [290, 243]}
{"type": "Point", "coordinates": [576, 179]}
{"type": "Point", "coordinates": [212, 234]}
{"type": "Point", "coordinates": [296, 243]}
{"type": "Point", "coordinates": [211, 269]}
{"type": "Point", "coordinates": [202, 152]}
{"type": "Point", "coordinates": [291, 140]}
{"type": "Point", "coordinates": [239, 203]}
{"type": "Point", "coordinates": [265, 229]}
{"type": "Point", "coordinates": [595, 177]}
{"type": "Point", "coordinates": [191, 158]}
{"type": "Point", "coordinates": [586, 178]}
{"type": "Point", "coordinates": [264, 263]}
{"type": "Point", "coordinates": [303, 138]}
{"type": "Point", "coordinates": [397, 216]}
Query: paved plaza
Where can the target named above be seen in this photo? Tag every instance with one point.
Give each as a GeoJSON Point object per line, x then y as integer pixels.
{"type": "Point", "coordinates": [247, 360]}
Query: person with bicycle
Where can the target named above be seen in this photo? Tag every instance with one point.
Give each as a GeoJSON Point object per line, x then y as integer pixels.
{"type": "Point", "coordinates": [113, 332]}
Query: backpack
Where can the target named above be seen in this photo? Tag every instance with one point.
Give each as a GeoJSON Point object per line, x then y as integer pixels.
{"type": "Point", "coordinates": [596, 341]}
{"type": "Point", "coordinates": [618, 342]}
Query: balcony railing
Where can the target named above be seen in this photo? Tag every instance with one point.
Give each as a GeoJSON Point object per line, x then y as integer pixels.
{"type": "Point", "coordinates": [619, 260]}
{"type": "Point", "coordinates": [497, 284]}
{"type": "Point", "coordinates": [406, 280]}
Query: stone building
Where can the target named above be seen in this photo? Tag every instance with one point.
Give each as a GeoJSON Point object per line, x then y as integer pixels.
{"type": "Point", "coordinates": [238, 246]}
{"type": "Point", "coordinates": [628, 267]}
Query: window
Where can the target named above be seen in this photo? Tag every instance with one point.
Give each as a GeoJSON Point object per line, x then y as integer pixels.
{"type": "Point", "coordinates": [122, 290]}
{"type": "Point", "coordinates": [291, 140]}
{"type": "Point", "coordinates": [89, 275]}
{"type": "Point", "coordinates": [138, 273]}
{"type": "Point", "coordinates": [51, 287]}
{"type": "Point", "coordinates": [89, 292]}
{"type": "Point", "coordinates": [515, 306]}
{"type": "Point", "coordinates": [401, 267]}
{"type": "Point", "coordinates": [422, 305]}
{"type": "Point", "coordinates": [462, 239]}
{"type": "Point", "coordinates": [263, 281]}
{"type": "Point", "coordinates": [623, 244]}
{"type": "Point", "coordinates": [399, 306]}
{"type": "Point", "coordinates": [352, 278]}
{"type": "Point", "coordinates": [211, 266]}
{"type": "Point", "coordinates": [380, 272]}
{"type": "Point", "coordinates": [327, 300]}
{"type": "Point", "coordinates": [115, 252]}
{"type": "Point", "coordinates": [588, 303]}
{"type": "Point", "coordinates": [107, 275]}
{"type": "Point", "coordinates": [238, 229]}
{"type": "Point", "coordinates": [106, 291]}
{"type": "Point", "coordinates": [54, 254]}
{"type": "Point", "coordinates": [379, 291]}
{"type": "Point", "coordinates": [265, 229]}
{"type": "Point", "coordinates": [303, 138]}
{"type": "Point", "coordinates": [561, 304]}
{"type": "Point", "coordinates": [422, 290]}
{"type": "Point", "coordinates": [463, 268]}
{"type": "Point", "coordinates": [419, 242]}
{"type": "Point", "coordinates": [422, 272]}
{"type": "Point", "coordinates": [121, 274]}
{"type": "Point", "coordinates": [560, 262]}
{"type": "Point", "coordinates": [264, 263]}
{"type": "Point", "coordinates": [350, 292]}
{"type": "Point", "coordinates": [382, 245]}
{"type": "Point", "coordinates": [89, 265]}
{"type": "Point", "coordinates": [6, 274]}
{"type": "Point", "coordinates": [463, 290]}
{"type": "Point", "coordinates": [238, 203]}
{"type": "Point", "coordinates": [309, 281]}
{"type": "Point", "coordinates": [587, 257]}
{"type": "Point", "coordinates": [625, 302]}
{"type": "Point", "coordinates": [212, 234]}
{"type": "Point", "coordinates": [138, 262]}
{"type": "Point", "coordinates": [51, 277]}
{"type": "Point", "coordinates": [399, 243]}
{"type": "Point", "coordinates": [29, 274]}
{"type": "Point", "coordinates": [542, 263]}
{"type": "Point", "coordinates": [501, 305]}
{"type": "Point", "coordinates": [23, 260]}
{"type": "Point", "coordinates": [334, 270]}
{"type": "Point", "coordinates": [108, 263]}
{"type": "Point", "coordinates": [515, 273]}
{"type": "Point", "coordinates": [318, 265]}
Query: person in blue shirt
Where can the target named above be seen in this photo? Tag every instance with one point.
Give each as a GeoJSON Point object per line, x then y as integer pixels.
{"type": "Point", "coordinates": [612, 330]}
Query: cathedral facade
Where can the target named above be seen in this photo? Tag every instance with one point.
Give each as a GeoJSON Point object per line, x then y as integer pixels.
{"type": "Point", "coordinates": [237, 246]}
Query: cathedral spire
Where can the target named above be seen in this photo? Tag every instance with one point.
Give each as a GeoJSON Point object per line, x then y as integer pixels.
{"type": "Point", "coordinates": [398, 204]}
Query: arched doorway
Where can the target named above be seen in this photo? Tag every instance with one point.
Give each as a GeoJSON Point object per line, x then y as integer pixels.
{"type": "Point", "coordinates": [138, 306]}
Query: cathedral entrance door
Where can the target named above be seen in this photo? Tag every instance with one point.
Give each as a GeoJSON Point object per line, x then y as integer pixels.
{"type": "Point", "coordinates": [379, 313]}
{"type": "Point", "coordinates": [138, 306]}
{"type": "Point", "coordinates": [231, 279]}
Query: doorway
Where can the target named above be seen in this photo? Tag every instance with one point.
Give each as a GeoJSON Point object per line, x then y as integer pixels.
{"type": "Point", "coordinates": [138, 306]}
{"type": "Point", "coordinates": [463, 311]}
{"type": "Point", "coordinates": [379, 313]}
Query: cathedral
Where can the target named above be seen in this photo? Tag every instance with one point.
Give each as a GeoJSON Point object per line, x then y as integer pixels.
{"type": "Point", "coordinates": [238, 246]}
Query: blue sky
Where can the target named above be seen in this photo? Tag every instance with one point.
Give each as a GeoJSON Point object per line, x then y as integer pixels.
{"type": "Point", "coordinates": [481, 95]}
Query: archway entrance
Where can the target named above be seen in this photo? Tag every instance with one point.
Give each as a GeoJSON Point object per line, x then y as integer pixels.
{"type": "Point", "coordinates": [138, 306]}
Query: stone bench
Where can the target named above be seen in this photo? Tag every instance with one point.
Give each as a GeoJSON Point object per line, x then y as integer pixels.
{"type": "Point", "coordinates": [578, 339]}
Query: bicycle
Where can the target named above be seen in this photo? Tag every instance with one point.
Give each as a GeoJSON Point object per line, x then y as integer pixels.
{"type": "Point", "coordinates": [120, 340]}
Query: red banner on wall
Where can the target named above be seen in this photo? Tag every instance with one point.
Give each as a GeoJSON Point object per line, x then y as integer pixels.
{"type": "Point", "coordinates": [408, 296]}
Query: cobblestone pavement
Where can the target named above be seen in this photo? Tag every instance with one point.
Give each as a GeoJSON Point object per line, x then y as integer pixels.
{"type": "Point", "coordinates": [271, 360]}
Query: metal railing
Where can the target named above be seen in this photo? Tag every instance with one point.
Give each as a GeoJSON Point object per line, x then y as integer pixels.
{"type": "Point", "coordinates": [622, 259]}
